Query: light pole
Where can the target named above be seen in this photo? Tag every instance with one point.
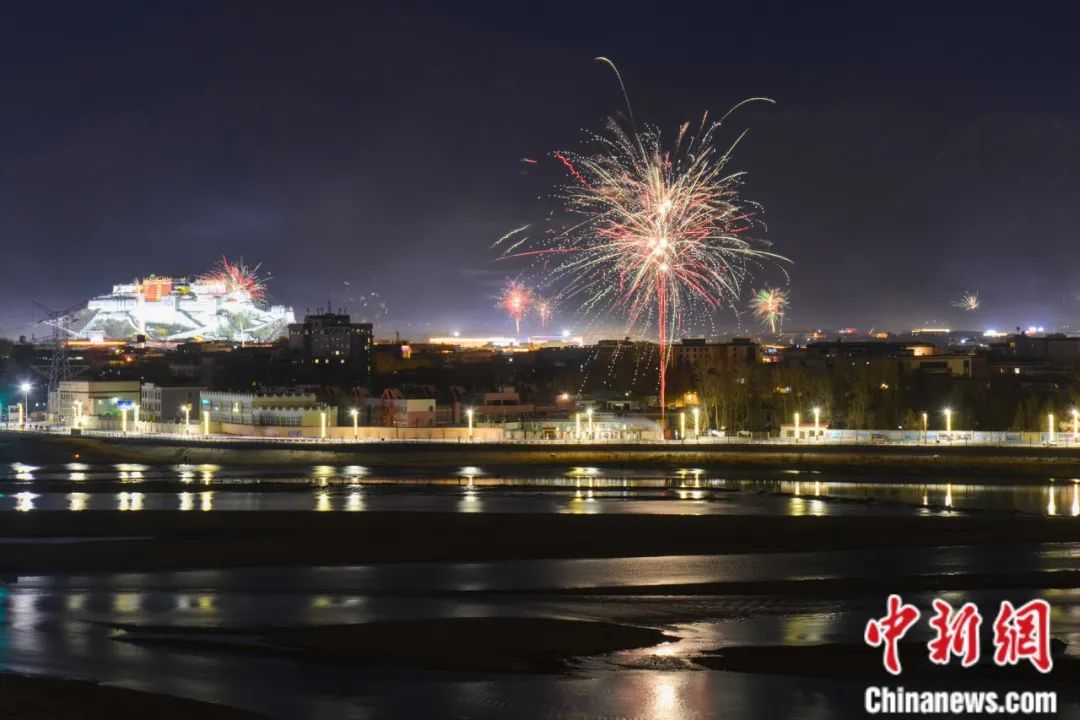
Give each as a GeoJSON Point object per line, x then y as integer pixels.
{"type": "Point", "coordinates": [697, 426]}
{"type": "Point", "coordinates": [588, 413]}
{"type": "Point", "coordinates": [123, 420]}
{"type": "Point", "coordinates": [577, 426]}
{"type": "Point", "coordinates": [322, 425]}
{"type": "Point", "coordinates": [206, 420]}
{"type": "Point", "coordinates": [817, 423]}
{"type": "Point", "coordinates": [796, 427]}
{"type": "Point", "coordinates": [469, 415]}
{"type": "Point", "coordinates": [355, 423]}
{"type": "Point", "coordinates": [25, 387]}
{"type": "Point", "coordinates": [948, 421]}
{"type": "Point", "coordinates": [682, 425]}
{"type": "Point", "coordinates": [925, 426]}
{"type": "Point", "coordinates": [187, 419]}
{"type": "Point", "coordinates": [1076, 423]}
{"type": "Point", "coordinates": [1050, 428]}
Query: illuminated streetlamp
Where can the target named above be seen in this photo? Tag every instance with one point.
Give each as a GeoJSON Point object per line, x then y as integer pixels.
{"type": "Point", "coordinates": [588, 413]}
{"type": "Point", "coordinates": [469, 414]}
{"type": "Point", "coordinates": [355, 423]}
{"type": "Point", "coordinates": [187, 418]}
{"type": "Point", "coordinates": [796, 427]}
{"type": "Point", "coordinates": [1050, 428]}
{"type": "Point", "coordinates": [817, 423]}
{"type": "Point", "coordinates": [1076, 423]}
{"type": "Point", "coordinates": [123, 420]}
{"type": "Point", "coordinates": [682, 425]}
{"type": "Point", "coordinates": [206, 420]}
{"type": "Point", "coordinates": [24, 411]}
{"type": "Point", "coordinates": [697, 427]}
{"type": "Point", "coordinates": [948, 420]}
{"type": "Point", "coordinates": [322, 425]}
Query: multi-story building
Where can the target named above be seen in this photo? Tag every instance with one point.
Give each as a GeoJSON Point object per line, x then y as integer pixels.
{"type": "Point", "coordinates": [165, 404]}
{"type": "Point", "coordinates": [735, 355]}
{"type": "Point", "coordinates": [332, 339]}
{"type": "Point", "coordinates": [94, 398]}
{"type": "Point", "coordinates": [281, 409]}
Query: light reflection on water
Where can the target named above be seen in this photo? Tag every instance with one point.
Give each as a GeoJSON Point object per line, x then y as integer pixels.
{"type": "Point", "coordinates": [575, 490]}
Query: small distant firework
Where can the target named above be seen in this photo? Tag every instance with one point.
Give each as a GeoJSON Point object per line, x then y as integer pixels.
{"type": "Point", "coordinates": [968, 301]}
{"type": "Point", "coordinates": [661, 233]}
{"type": "Point", "coordinates": [769, 306]}
{"type": "Point", "coordinates": [240, 281]}
{"type": "Point", "coordinates": [516, 300]}
{"type": "Point", "coordinates": [543, 312]}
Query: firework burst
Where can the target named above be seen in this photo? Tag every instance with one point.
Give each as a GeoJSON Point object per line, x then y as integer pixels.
{"type": "Point", "coordinates": [769, 306]}
{"type": "Point", "coordinates": [968, 301]}
{"type": "Point", "coordinates": [543, 312]}
{"type": "Point", "coordinates": [660, 234]}
{"type": "Point", "coordinates": [516, 300]}
{"type": "Point", "coordinates": [238, 279]}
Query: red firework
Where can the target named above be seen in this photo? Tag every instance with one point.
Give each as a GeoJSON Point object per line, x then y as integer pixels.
{"type": "Point", "coordinates": [238, 279]}
{"type": "Point", "coordinates": [516, 300]}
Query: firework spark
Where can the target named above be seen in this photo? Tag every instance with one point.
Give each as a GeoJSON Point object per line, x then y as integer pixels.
{"type": "Point", "coordinates": [660, 233]}
{"type": "Point", "coordinates": [516, 300]}
{"type": "Point", "coordinates": [238, 279]}
{"type": "Point", "coordinates": [968, 301]}
{"type": "Point", "coordinates": [543, 311]}
{"type": "Point", "coordinates": [769, 306]}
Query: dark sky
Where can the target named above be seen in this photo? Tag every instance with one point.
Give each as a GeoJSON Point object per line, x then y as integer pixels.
{"type": "Point", "coordinates": [915, 151]}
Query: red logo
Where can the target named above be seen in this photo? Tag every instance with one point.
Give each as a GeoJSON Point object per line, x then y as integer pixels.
{"type": "Point", "coordinates": [1021, 633]}
{"type": "Point", "coordinates": [889, 629]}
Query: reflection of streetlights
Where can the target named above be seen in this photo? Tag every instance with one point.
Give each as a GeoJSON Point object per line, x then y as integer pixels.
{"type": "Point", "coordinates": [469, 414]}
{"type": "Point", "coordinates": [355, 423]}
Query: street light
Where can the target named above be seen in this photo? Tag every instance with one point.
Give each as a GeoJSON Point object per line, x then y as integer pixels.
{"type": "Point", "coordinates": [796, 427]}
{"type": "Point", "coordinates": [588, 412]}
{"type": "Point", "coordinates": [697, 427]}
{"type": "Point", "coordinates": [1076, 423]}
{"type": "Point", "coordinates": [355, 423]}
{"type": "Point", "coordinates": [206, 420]}
{"type": "Point", "coordinates": [25, 409]}
{"type": "Point", "coordinates": [948, 420]}
{"type": "Point", "coordinates": [469, 414]}
{"type": "Point", "coordinates": [123, 420]}
{"type": "Point", "coordinates": [682, 425]}
{"type": "Point", "coordinates": [322, 425]}
{"type": "Point", "coordinates": [1050, 428]}
{"type": "Point", "coordinates": [187, 418]}
{"type": "Point", "coordinates": [817, 423]}
{"type": "Point", "coordinates": [577, 426]}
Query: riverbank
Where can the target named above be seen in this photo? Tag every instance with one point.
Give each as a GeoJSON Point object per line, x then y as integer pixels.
{"type": "Point", "coordinates": [488, 645]}
{"type": "Point", "coordinates": [266, 539]}
{"type": "Point", "coordinates": [33, 698]}
{"type": "Point", "coordinates": [955, 460]}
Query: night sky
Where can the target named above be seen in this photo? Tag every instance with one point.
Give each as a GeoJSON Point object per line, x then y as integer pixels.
{"type": "Point", "coordinates": [914, 153]}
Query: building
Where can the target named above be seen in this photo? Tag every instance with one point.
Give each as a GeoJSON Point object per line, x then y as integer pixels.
{"type": "Point", "coordinates": [94, 398]}
{"type": "Point", "coordinates": [332, 339]}
{"type": "Point", "coordinates": [738, 354]}
{"type": "Point", "coordinates": [165, 404]}
{"type": "Point", "coordinates": [215, 306]}
{"type": "Point", "coordinates": [284, 409]}
{"type": "Point", "coordinates": [408, 407]}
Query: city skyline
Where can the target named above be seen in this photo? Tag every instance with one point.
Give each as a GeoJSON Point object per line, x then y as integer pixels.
{"type": "Point", "coordinates": [892, 193]}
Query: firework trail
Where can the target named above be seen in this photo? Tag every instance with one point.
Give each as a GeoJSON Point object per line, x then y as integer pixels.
{"type": "Point", "coordinates": [968, 301]}
{"type": "Point", "coordinates": [769, 306]}
{"type": "Point", "coordinates": [516, 300]}
{"type": "Point", "coordinates": [238, 279]}
{"type": "Point", "coordinates": [660, 232]}
{"type": "Point", "coordinates": [543, 312]}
